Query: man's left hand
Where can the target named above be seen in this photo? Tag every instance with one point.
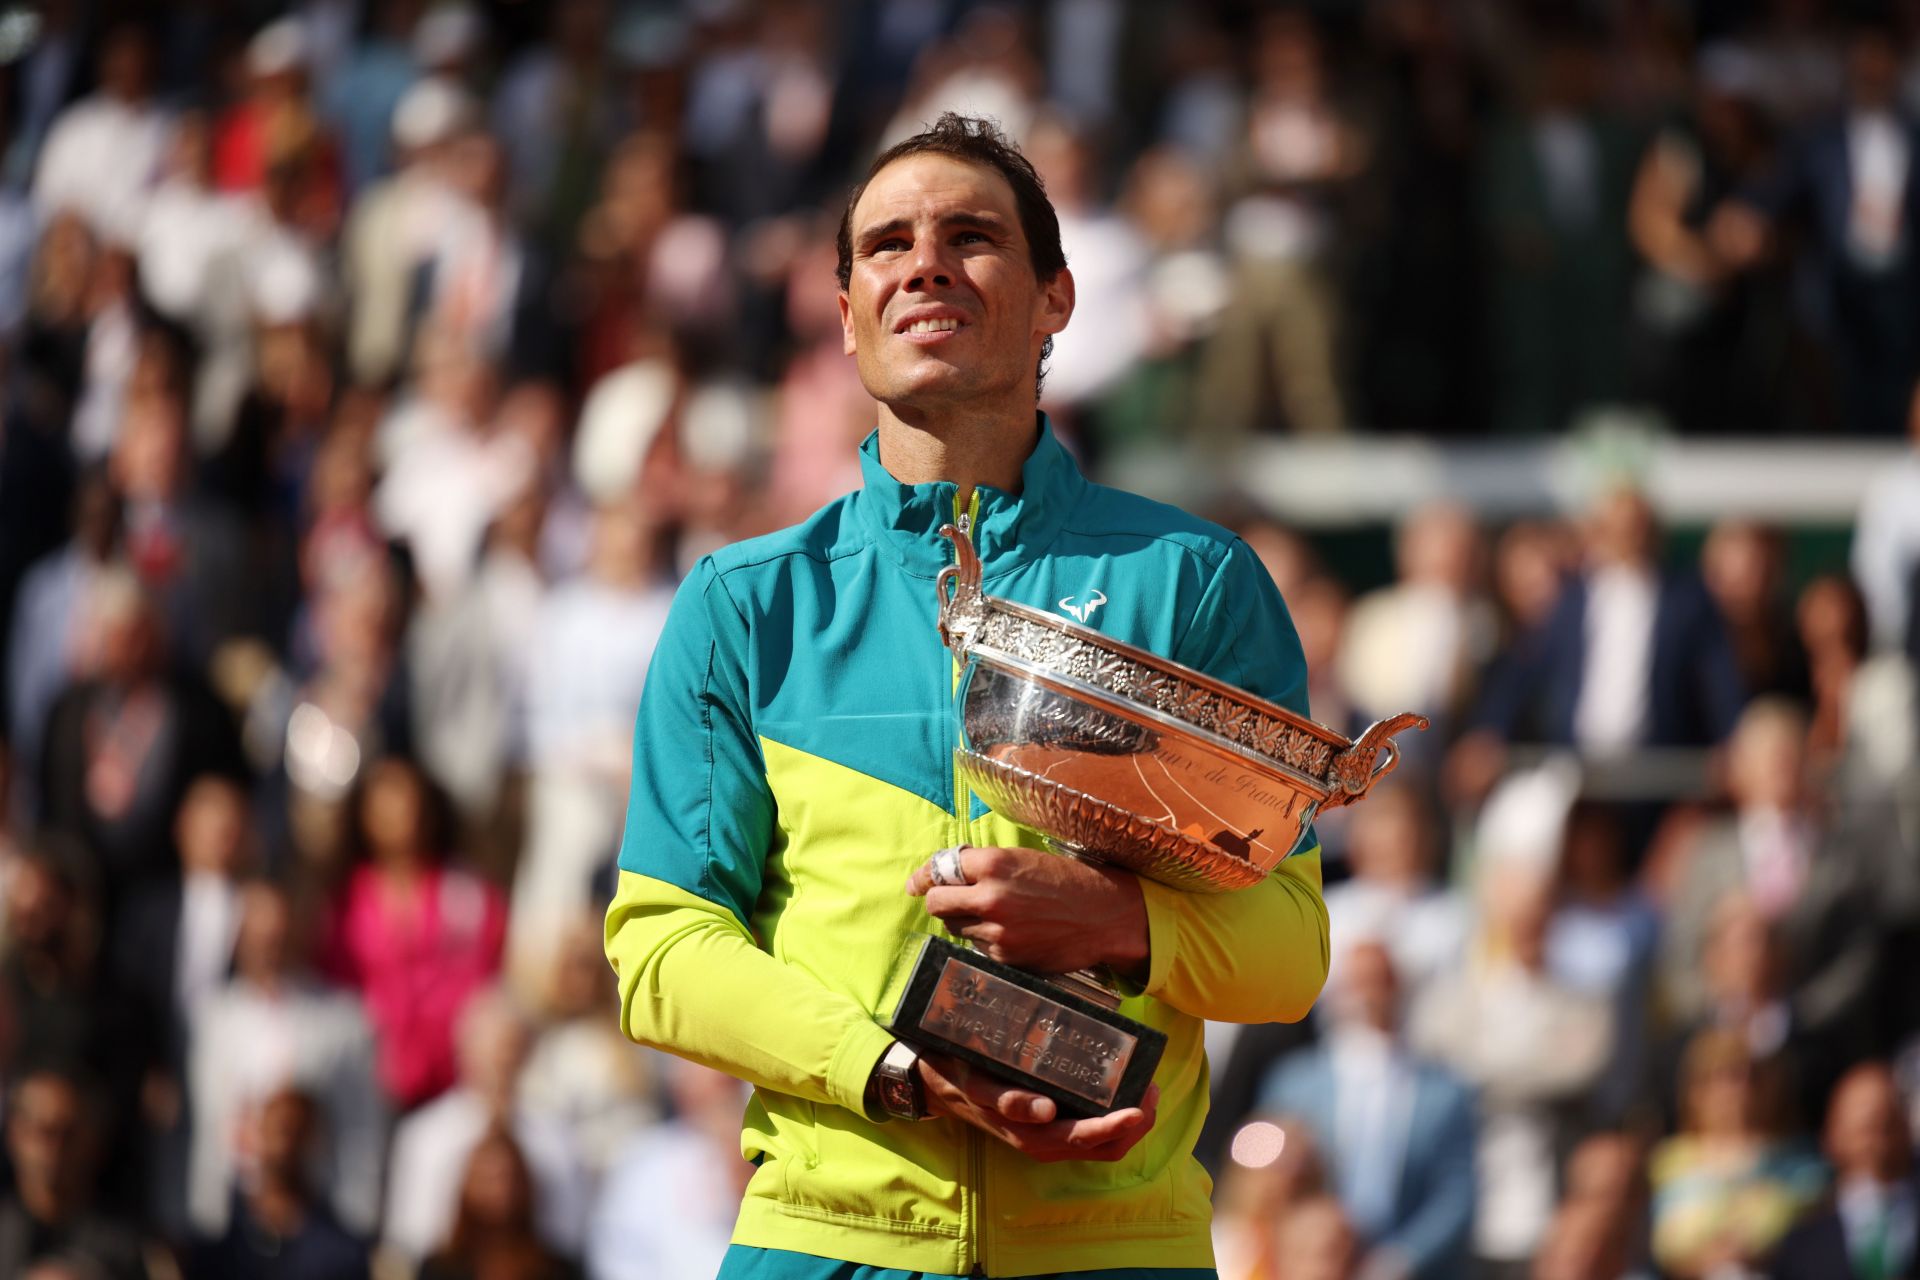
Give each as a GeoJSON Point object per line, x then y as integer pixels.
{"type": "Point", "coordinates": [1042, 911]}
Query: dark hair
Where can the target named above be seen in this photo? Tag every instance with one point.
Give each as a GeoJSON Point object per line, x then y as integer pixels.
{"type": "Point", "coordinates": [978, 141]}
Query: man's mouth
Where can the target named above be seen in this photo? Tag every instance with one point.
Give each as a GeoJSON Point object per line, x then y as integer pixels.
{"type": "Point", "coordinates": [943, 325]}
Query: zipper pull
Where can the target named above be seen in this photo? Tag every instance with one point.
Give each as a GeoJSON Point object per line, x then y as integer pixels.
{"type": "Point", "coordinates": [965, 522]}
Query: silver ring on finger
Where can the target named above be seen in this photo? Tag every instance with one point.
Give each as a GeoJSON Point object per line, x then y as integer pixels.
{"type": "Point", "coordinates": [947, 867]}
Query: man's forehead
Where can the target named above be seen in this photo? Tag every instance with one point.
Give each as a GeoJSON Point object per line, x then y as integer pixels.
{"type": "Point", "coordinates": [933, 185]}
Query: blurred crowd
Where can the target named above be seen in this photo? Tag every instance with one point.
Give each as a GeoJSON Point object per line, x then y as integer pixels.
{"type": "Point", "coordinates": [369, 374]}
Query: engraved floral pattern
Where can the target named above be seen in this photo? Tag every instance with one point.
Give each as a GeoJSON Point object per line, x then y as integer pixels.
{"type": "Point", "coordinates": [1229, 717]}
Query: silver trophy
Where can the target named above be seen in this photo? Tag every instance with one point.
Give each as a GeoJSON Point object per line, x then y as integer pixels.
{"type": "Point", "coordinates": [1114, 755]}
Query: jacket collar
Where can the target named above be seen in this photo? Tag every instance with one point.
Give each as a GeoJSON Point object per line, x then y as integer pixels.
{"type": "Point", "coordinates": [1010, 530]}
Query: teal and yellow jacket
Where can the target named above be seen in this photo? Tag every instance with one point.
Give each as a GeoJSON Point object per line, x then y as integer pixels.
{"type": "Point", "coordinates": [793, 762]}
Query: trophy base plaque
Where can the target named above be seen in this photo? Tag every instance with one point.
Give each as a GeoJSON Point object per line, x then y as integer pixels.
{"type": "Point", "coordinates": [1022, 1028]}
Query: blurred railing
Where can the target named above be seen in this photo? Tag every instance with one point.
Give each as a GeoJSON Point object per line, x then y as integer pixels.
{"type": "Point", "coordinates": [1371, 479]}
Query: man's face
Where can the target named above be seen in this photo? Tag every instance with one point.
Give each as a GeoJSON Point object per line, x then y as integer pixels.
{"type": "Point", "coordinates": [943, 307]}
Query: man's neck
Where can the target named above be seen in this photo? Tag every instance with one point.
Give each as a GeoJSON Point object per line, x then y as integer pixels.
{"type": "Point", "coordinates": [967, 449]}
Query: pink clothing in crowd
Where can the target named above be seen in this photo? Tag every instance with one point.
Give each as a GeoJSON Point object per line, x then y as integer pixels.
{"type": "Point", "coordinates": [415, 961]}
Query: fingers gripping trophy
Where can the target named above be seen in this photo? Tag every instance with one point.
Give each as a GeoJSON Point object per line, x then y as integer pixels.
{"type": "Point", "coordinates": [1114, 756]}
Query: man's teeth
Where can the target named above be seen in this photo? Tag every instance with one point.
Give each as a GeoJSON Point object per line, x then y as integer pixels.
{"type": "Point", "coordinates": [933, 326]}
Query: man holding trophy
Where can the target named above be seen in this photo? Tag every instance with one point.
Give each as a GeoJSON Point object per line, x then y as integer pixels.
{"type": "Point", "coordinates": [820, 894]}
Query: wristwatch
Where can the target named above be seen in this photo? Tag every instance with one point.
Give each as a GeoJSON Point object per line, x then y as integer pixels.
{"type": "Point", "coordinates": [895, 1086]}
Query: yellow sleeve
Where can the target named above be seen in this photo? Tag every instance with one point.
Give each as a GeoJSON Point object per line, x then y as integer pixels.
{"type": "Point", "coordinates": [693, 982]}
{"type": "Point", "coordinates": [1258, 955]}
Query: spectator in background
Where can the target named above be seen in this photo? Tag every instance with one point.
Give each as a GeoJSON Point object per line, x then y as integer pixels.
{"type": "Point", "coordinates": [187, 226]}
{"type": "Point", "coordinates": [655, 272]}
{"type": "Point", "coordinates": [1275, 1165]}
{"type": "Point", "coordinates": [269, 1030]}
{"type": "Point", "coordinates": [1599, 1232]}
{"type": "Point", "coordinates": [171, 950]}
{"type": "Point", "coordinates": [1400, 1129]}
{"type": "Point", "coordinates": [1604, 941]}
{"type": "Point", "coordinates": [413, 933]}
{"type": "Point", "coordinates": [393, 226]}
{"type": "Point", "coordinates": [1396, 895]}
{"type": "Point", "coordinates": [493, 1229]}
{"type": "Point", "coordinates": [1531, 1045]}
{"type": "Point", "coordinates": [557, 111]}
{"type": "Point", "coordinates": [581, 1071]}
{"type": "Point", "coordinates": [1632, 656]}
{"type": "Point", "coordinates": [1171, 202]}
{"type": "Point", "coordinates": [1743, 564]}
{"type": "Point", "coordinates": [103, 153]}
{"type": "Point", "coordinates": [123, 742]}
{"type": "Point", "coordinates": [187, 547]}
{"type": "Point", "coordinates": [469, 663]}
{"type": "Point", "coordinates": [49, 616]}
{"type": "Point", "coordinates": [1854, 187]}
{"type": "Point", "coordinates": [54, 1148]}
{"type": "Point", "coordinates": [1438, 595]}
{"type": "Point", "coordinates": [1728, 1186]}
{"type": "Point", "coordinates": [1744, 984]}
{"type": "Point", "coordinates": [51, 1002]}
{"type": "Point", "coordinates": [1555, 177]}
{"type": "Point", "coordinates": [1318, 1243]}
{"type": "Point", "coordinates": [274, 123]}
{"type": "Point", "coordinates": [360, 96]}
{"type": "Point", "coordinates": [1871, 1231]}
{"type": "Point", "coordinates": [1109, 265]}
{"type": "Point", "coordinates": [1866, 715]}
{"type": "Point", "coordinates": [1816, 874]}
{"type": "Point", "coordinates": [588, 656]}
{"type": "Point", "coordinates": [484, 286]}
{"type": "Point", "coordinates": [433, 1148]}
{"type": "Point", "coordinates": [1711, 328]}
{"type": "Point", "coordinates": [350, 711]}
{"type": "Point", "coordinates": [1886, 542]}
{"type": "Point", "coordinates": [1300, 148]}
{"type": "Point", "coordinates": [669, 1202]}
{"type": "Point", "coordinates": [448, 469]}
{"type": "Point", "coordinates": [279, 1229]}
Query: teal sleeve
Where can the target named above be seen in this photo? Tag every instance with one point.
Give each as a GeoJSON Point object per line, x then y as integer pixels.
{"type": "Point", "coordinates": [700, 821]}
{"type": "Point", "coordinates": [699, 812]}
{"type": "Point", "coordinates": [1242, 633]}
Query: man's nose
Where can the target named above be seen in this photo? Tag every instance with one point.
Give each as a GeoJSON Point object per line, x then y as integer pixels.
{"type": "Point", "coordinates": [930, 267]}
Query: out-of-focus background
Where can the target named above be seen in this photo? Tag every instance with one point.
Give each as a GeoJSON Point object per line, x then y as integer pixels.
{"type": "Point", "coordinates": [372, 372]}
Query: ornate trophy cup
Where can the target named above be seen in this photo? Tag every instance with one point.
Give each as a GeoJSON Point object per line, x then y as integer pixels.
{"type": "Point", "coordinates": [1117, 756]}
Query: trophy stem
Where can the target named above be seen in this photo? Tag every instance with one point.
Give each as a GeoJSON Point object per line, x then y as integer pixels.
{"type": "Point", "coordinates": [1090, 985]}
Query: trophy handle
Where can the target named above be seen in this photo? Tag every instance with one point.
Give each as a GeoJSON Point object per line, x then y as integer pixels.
{"type": "Point", "coordinates": [1371, 758]}
{"type": "Point", "coordinates": [963, 609]}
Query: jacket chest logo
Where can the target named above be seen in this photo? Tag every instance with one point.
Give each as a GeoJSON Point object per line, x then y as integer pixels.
{"type": "Point", "coordinates": [1081, 610]}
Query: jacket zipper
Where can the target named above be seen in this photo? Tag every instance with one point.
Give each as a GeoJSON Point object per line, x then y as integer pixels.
{"type": "Point", "coordinates": [963, 519]}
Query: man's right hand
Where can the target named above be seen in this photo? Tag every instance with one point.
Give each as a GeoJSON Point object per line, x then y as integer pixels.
{"type": "Point", "coordinates": [1025, 1120]}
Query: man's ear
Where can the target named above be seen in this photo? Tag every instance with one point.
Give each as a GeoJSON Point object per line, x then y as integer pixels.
{"type": "Point", "coordinates": [847, 344]}
{"type": "Point", "coordinates": [1056, 303]}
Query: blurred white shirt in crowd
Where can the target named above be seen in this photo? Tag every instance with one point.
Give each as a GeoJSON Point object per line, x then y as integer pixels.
{"type": "Point", "coordinates": [101, 159]}
{"type": "Point", "coordinates": [430, 1151]}
{"type": "Point", "coordinates": [667, 1210]}
{"type": "Point", "coordinates": [1611, 713]}
{"type": "Point", "coordinates": [1886, 550]}
{"type": "Point", "coordinates": [186, 228]}
{"type": "Point", "coordinates": [1109, 329]}
{"type": "Point", "coordinates": [248, 1043]}
{"type": "Point", "coordinates": [444, 485]}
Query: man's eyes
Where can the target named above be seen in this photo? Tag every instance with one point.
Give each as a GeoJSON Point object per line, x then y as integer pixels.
{"type": "Point", "coordinates": [896, 243]}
